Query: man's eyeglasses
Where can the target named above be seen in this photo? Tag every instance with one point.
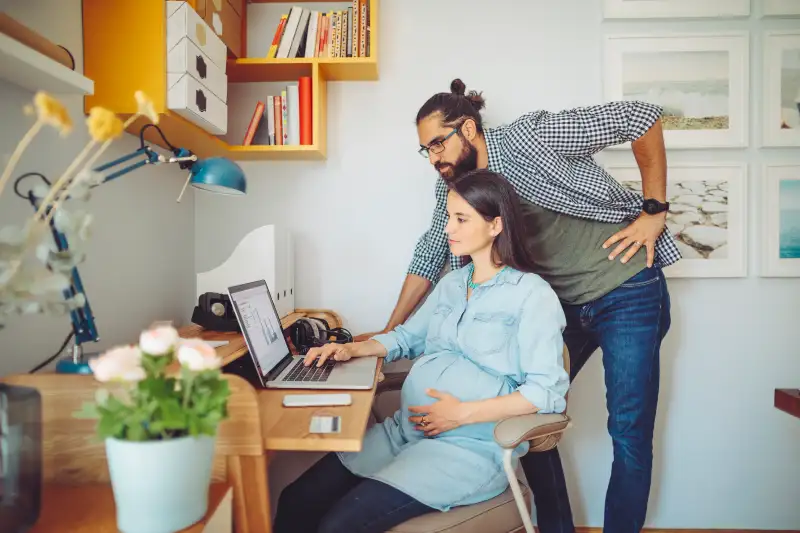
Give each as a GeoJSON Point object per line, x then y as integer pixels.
{"type": "Point", "coordinates": [436, 147]}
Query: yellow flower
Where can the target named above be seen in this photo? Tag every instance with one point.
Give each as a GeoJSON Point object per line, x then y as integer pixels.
{"type": "Point", "coordinates": [146, 107]}
{"type": "Point", "coordinates": [52, 112]}
{"type": "Point", "coordinates": [103, 124]}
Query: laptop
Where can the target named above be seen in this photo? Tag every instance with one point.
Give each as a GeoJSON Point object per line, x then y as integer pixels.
{"type": "Point", "coordinates": [275, 365]}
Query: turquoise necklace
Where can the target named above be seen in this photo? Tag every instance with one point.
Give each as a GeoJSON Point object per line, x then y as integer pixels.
{"type": "Point", "coordinates": [470, 282]}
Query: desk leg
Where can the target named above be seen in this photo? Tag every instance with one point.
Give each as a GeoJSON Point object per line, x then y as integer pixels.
{"type": "Point", "coordinates": [248, 474]}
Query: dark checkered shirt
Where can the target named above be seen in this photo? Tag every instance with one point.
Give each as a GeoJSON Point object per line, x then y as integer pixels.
{"type": "Point", "coordinates": [548, 158]}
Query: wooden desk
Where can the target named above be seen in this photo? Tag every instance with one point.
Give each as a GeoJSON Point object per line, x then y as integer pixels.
{"type": "Point", "coordinates": [287, 428]}
{"type": "Point", "coordinates": [91, 509]}
{"type": "Point", "coordinates": [788, 400]}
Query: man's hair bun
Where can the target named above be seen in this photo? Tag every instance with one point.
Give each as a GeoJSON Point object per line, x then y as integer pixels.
{"type": "Point", "coordinates": [457, 87]}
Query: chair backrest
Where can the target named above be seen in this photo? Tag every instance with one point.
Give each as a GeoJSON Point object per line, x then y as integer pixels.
{"type": "Point", "coordinates": [72, 454]}
{"type": "Point", "coordinates": [548, 442]}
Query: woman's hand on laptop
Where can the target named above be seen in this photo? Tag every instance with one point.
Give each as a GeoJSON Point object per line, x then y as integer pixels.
{"type": "Point", "coordinates": [344, 352]}
{"type": "Point", "coordinates": [338, 352]}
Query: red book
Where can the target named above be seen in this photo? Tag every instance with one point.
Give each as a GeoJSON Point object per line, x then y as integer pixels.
{"type": "Point", "coordinates": [306, 127]}
{"type": "Point", "coordinates": [251, 129]}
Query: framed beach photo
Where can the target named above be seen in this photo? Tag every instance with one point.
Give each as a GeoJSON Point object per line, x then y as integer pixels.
{"type": "Point", "coordinates": [780, 8]}
{"type": "Point", "coordinates": [780, 254]}
{"type": "Point", "coordinates": [700, 80]}
{"type": "Point", "coordinates": [781, 92]}
{"type": "Point", "coordinates": [707, 216]}
{"type": "Point", "coordinates": [644, 9]}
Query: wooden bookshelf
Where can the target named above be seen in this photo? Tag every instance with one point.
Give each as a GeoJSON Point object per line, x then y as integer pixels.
{"type": "Point", "coordinates": [125, 51]}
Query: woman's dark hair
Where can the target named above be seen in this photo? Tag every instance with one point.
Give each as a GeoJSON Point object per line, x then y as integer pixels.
{"type": "Point", "coordinates": [454, 106]}
{"type": "Point", "coordinates": [491, 195]}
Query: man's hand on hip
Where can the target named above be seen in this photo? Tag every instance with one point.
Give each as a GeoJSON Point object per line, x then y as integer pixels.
{"type": "Point", "coordinates": [644, 231]}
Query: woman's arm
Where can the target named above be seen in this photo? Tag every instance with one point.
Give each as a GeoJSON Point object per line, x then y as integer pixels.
{"type": "Point", "coordinates": [544, 381]}
{"type": "Point", "coordinates": [406, 340]}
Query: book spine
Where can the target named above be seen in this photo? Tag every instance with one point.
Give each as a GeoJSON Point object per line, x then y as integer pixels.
{"type": "Point", "coordinates": [273, 49]}
{"type": "Point", "coordinates": [284, 117]}
{"type": "Point", "coordinates": [362, 32]}
{"type": "Point", "coordinates": [251, 129]}
{"type": "Point", "coordinates": [277, 106]}
{"type": "Point", "coordinates": [306, 126]}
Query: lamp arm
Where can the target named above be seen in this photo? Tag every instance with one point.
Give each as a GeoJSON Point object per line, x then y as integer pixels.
{"type": "Point", "coordinates": [82, 319]}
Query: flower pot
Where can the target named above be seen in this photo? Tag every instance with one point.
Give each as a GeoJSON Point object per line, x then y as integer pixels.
{"type": "Point", "coordinates": [160, 486]}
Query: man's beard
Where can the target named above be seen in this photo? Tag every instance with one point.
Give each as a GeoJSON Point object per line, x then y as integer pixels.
{"type": "Point", "coordinates": [467, 161]}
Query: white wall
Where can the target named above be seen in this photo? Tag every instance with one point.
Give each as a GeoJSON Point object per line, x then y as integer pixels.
{"type": "Point", "coordinates": [724, 457]}
{"type": "Point", "coordinates": [140, 260]}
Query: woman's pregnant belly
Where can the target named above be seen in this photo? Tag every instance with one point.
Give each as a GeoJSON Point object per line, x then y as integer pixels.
{"type": "Point", "coordinates": [453, 374]}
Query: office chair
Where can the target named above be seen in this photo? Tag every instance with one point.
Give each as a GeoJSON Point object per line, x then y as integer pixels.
{"type": "Point", "coordinates": [510, 511]}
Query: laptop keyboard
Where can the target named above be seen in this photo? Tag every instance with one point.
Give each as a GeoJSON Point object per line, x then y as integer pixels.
{"type": "Point", "coordinates": [300, 372]}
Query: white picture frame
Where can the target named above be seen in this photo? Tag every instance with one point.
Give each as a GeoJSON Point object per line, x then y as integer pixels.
{"type": "Point", "coordinates": [699, 113]}
{"type": "Point", "coordinates": [780, 8]}
{"type": "Point", "coordinates": [646, 9]}
{"type": "Point", "coordinates": [779, 256]}
{"type": "Point", "coordinates": [707, 216]}
{"type": "Point", "coordinates": [781, 88]}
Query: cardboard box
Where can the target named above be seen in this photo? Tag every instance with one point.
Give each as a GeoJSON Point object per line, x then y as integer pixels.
{"type": "Point", "coordinates": [223, 19]}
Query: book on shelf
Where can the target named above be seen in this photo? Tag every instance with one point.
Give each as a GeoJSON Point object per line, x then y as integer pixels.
{"type": "Point", "coordinates": [304, 32]}
{"type": "Point", "coordinates": [283, 119]}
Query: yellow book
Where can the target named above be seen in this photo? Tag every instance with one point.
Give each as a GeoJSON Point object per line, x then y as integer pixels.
{"type": "Point", "coordinates": [273, 49]}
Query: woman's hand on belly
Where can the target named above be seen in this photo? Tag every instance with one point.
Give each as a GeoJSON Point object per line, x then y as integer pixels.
{"type": "Point", "coordinates": [445, 414]}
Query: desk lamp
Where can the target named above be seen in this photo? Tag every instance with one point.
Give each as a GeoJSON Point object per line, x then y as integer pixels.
{"type": "Point", "coordinates": [217, 175]}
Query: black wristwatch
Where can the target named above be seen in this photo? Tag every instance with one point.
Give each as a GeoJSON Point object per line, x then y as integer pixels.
{"type": "Point", "coordinates": [652, 207]}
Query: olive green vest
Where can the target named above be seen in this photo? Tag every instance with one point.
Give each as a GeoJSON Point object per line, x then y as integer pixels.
{"type": "Point", "coordinates": [569, 254]}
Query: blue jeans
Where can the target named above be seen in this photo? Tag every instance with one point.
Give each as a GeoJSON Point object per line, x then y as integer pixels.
{"type": "Point", "coordinates": [628, 324]}
{"type": "Point", "coordinates": [328, 498]}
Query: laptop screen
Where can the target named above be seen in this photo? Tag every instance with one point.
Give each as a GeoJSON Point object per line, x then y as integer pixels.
{"type": "Point", "coordinates": [260, 324]}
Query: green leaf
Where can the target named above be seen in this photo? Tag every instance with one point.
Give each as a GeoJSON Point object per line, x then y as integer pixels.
{"type": "Point", "coordinates": [87, 411]}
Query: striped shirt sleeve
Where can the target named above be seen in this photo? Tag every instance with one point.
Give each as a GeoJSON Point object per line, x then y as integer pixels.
{"type": "Point", "coordinates": [584, 131]}
{"type": "Point", "coordinates": [431, 250]}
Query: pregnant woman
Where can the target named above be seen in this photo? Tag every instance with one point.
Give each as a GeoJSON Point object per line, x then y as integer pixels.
{"type": "Point", "coordinates": [487, 345]}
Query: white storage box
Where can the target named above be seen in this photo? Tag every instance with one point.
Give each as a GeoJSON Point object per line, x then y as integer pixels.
{"type": "Point", "coordinates": [265, 253]}
{"type": "Point", "coordinates": [186, 57]}
{"type": "Point", "coordinates": [196, 103]}
{"type": "Point", "coordinates": [183, 21]}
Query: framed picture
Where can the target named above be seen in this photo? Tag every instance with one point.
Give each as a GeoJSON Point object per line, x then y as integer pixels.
{"type": "Point", "coordinates": [781, 209]}
{"type": "Point", "coordinates": [706, 217]}
{"type": "Point", "coordinates": [625, 9]}
{"type": "Point", "coordinates": [781, 79]}
{"type": "Point", "coordinates": [772, 8]}
{"type": "Point", "coordinates": [700, 80]}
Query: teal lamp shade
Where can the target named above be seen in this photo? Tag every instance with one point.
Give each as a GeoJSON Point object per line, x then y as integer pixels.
{"type": "Point", "coordinates": [218, 175]}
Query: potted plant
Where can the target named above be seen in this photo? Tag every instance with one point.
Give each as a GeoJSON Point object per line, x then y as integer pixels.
{"type": "Point", "coordinates": [159, 428]}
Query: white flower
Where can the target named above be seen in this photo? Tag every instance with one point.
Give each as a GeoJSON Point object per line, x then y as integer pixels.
{"type": "Point", "coordinates": [158, 341]}
{"type": "Point", "coordinates": [123, 363]}
{"type": "Point", "coordinates": [198, 355]}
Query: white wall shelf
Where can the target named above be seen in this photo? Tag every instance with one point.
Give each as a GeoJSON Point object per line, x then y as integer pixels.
{"type": "Point", "coordinates": [28, 68]}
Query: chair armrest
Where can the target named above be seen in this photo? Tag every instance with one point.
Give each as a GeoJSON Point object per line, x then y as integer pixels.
{"type": "Point", "coordinates": [391, 381]}
{"type": "Point", "coordinates": [511, 432]}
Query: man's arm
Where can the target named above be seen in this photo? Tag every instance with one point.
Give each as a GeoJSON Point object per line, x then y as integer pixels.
{"type": "Point", "coordinates": [430, 253]}
{"type": "Point", "coordinates": [584, 131]}
{"type": "Point", "coordinates": [651, 157]}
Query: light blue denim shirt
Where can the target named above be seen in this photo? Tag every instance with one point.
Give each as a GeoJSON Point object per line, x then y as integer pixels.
{"type": "Point", "coordinates": [507, 337]}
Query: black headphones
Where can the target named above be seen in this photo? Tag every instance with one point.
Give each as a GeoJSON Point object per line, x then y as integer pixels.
{"type": "Point", "coordinates": [308, 332]}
